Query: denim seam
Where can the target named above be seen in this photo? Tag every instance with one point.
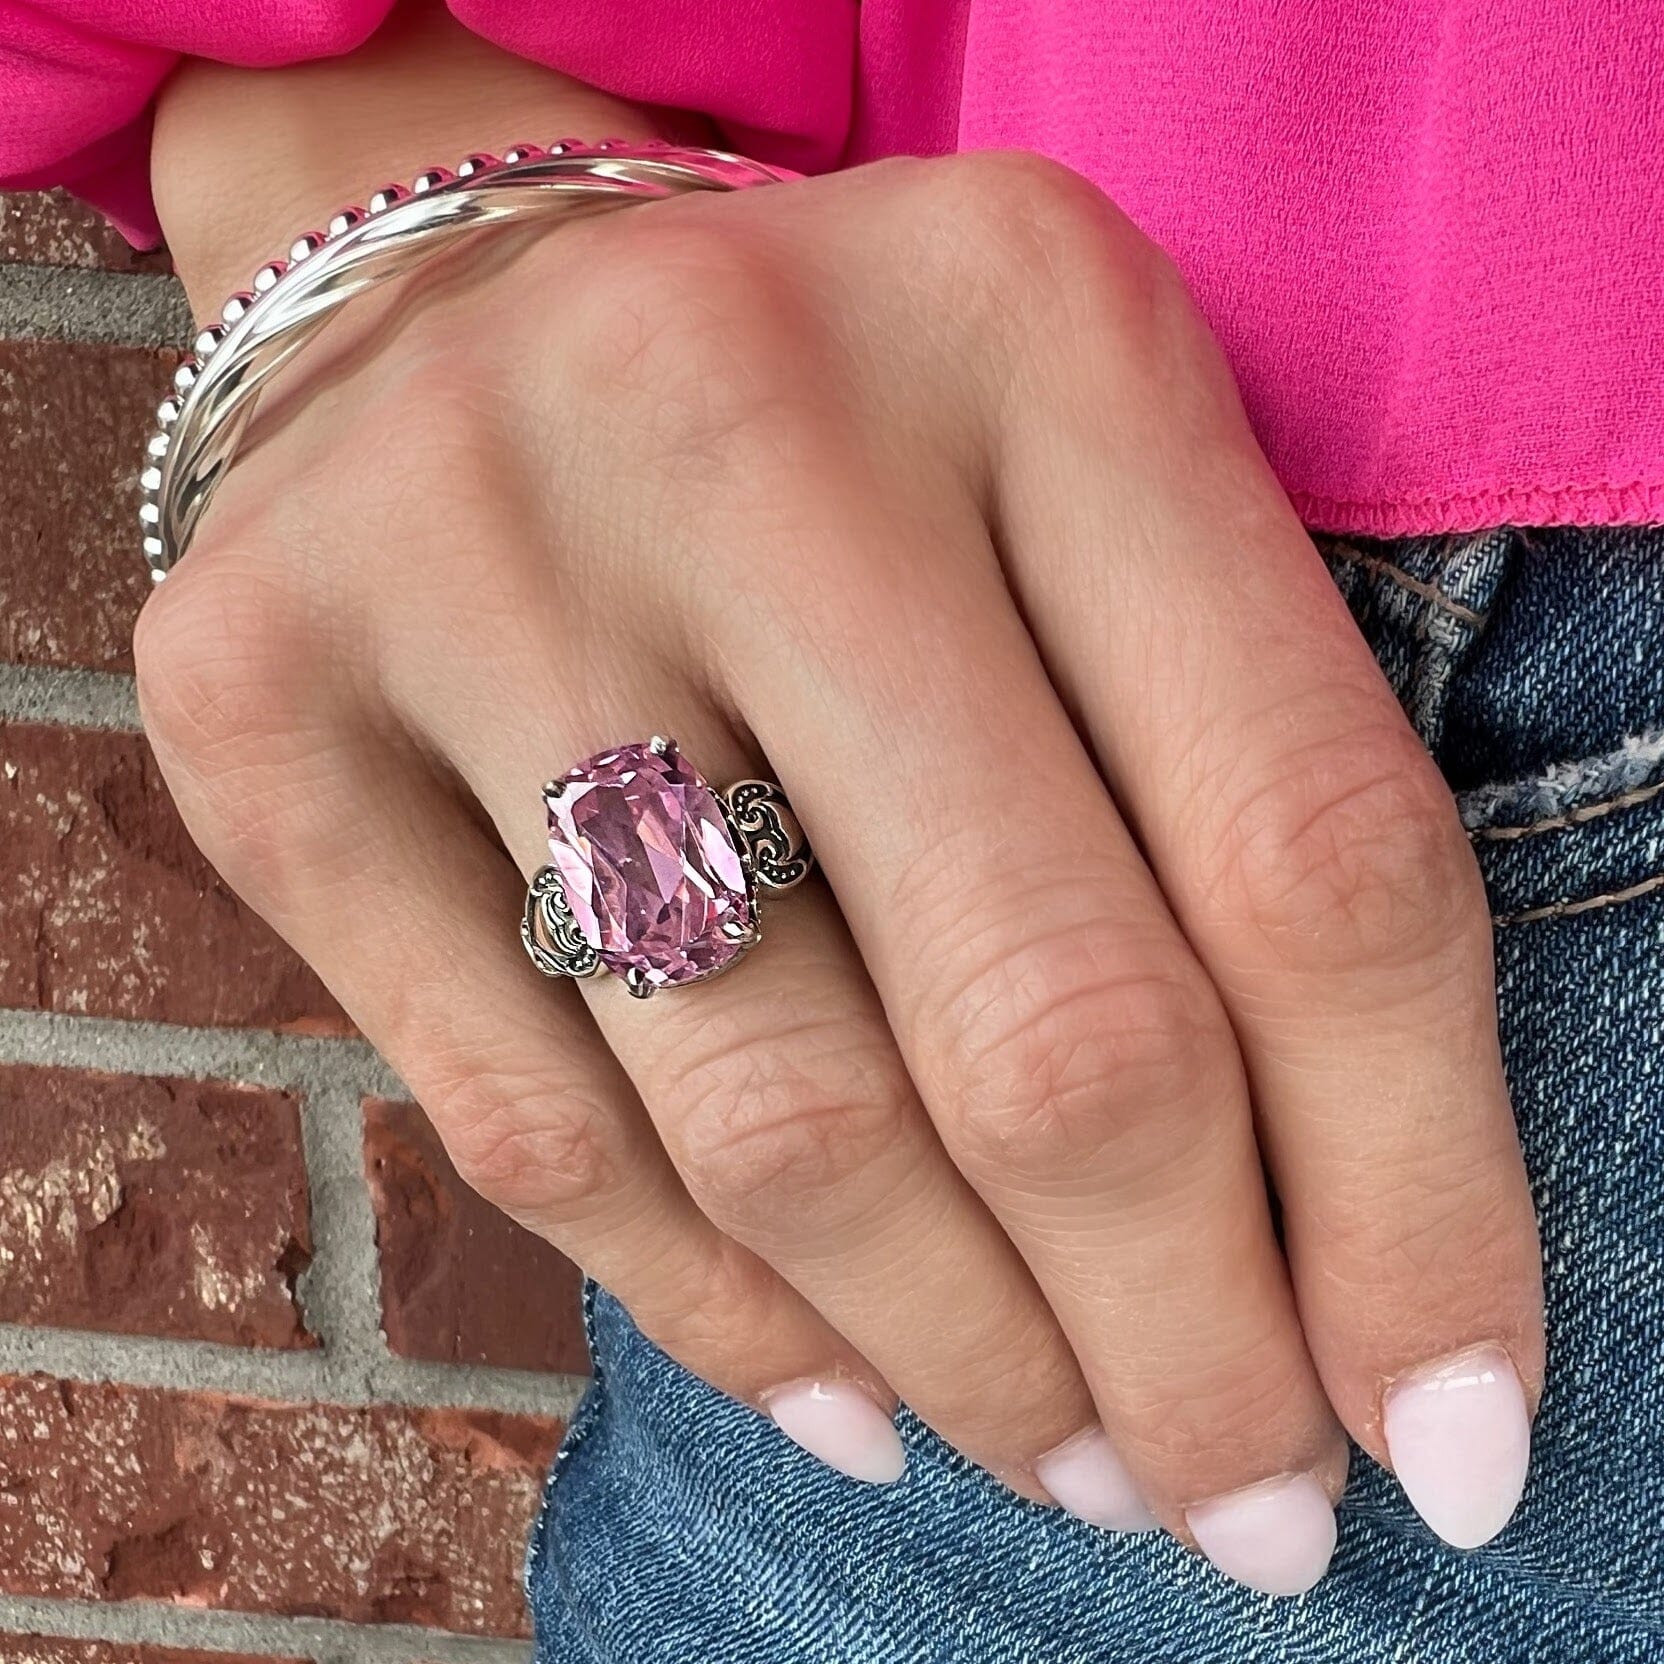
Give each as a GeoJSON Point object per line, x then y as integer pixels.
{"type": "Point", "coordinates": [1428, 592]}
{"type": "Point", "coordinates": [1635, 766]}
{"type": "Point", "coordinates": [1572, 817]}
{"type": "Point", "coordinates": [578, 1430]}
{"type": "Point", "coordinates": [1589, 904]}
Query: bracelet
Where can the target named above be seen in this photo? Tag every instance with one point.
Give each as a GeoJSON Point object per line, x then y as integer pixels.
{"type": "Point", "coordinates": [216, 388]}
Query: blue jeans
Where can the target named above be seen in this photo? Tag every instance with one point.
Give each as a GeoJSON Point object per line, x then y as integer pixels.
{"type": "Point", "coordinates": [681, 1528]}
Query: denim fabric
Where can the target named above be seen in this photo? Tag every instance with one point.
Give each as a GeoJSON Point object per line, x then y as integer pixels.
{"type": "Point", "coordinates": [681, 1529]}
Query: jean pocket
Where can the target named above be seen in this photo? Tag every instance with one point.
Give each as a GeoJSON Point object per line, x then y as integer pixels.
{"type": "Point", "coordinates": [1582, 837]}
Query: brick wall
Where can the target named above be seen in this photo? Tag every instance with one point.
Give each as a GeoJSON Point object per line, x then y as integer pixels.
{"type": "Point", "coordinates": [268, 1388]}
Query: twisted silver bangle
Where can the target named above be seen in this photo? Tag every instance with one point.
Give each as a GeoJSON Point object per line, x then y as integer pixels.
{"type": "Point", "coordinates": [216, 388]}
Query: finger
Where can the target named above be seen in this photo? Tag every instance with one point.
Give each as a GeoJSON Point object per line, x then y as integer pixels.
{"type": "Point", "coordinates": [1071, 1052]}
{"type": "Point", "coordinates": [384, 883]}
{"type": "Point", "coordinates": [792, 1121]}
{"type": "Point", "coordinates": [1315, 859]}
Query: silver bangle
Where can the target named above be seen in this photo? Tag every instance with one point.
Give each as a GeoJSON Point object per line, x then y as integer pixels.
{"type": "Point", "coordinates": [216, 388]}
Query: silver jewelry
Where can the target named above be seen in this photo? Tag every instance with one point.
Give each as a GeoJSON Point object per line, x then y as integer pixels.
{"type": "Point", "coordinates": [215, 389]}
{"type": "Point", "coordinates": [655, 876]}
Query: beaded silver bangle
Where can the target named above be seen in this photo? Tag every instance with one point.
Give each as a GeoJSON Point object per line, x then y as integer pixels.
{"type": "Point", "coordinates": [215, 389]}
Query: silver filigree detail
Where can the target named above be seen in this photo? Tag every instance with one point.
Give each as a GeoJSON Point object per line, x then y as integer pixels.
{"type": "Point", "coordinates": [768, 832]}
{"type": "Point", "coordinates": [550, 933]}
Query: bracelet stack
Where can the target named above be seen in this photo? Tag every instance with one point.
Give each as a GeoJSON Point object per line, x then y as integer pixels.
{"type": "Point", "coordinates": [215, 389]}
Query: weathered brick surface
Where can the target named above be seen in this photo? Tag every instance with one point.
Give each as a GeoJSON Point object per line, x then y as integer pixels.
{"type": "Point", "coordinates": [74, 420]}
{"type": "Point", "coordinates": [47, 1649]}
{"type": "Point", "coordinates": [172, 1208]}
{"type": "Point", "coordinates": [460, 1281]}
{"type": "Point", "coordinates": [106, 906]}
{"type": "Point", "coordinates": [160, 1207]}
{"type": "Point", "coordinates": [381, 1514]}
{"type": "Point", "coordinates": [50, 228]}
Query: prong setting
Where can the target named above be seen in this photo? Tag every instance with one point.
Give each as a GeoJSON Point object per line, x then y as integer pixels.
{"type": "Point", "coordinates": [668, 871]}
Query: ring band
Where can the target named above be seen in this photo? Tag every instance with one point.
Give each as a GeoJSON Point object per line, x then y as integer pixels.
{"type": "Point", "coordinates": [654, 875]}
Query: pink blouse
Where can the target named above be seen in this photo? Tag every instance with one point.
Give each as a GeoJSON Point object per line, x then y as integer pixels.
{"type": "Point", "coordinates": [1430, 234]}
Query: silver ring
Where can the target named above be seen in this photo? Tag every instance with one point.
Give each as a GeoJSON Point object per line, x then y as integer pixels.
{"type": "Point", "coordinates": [654, 875]}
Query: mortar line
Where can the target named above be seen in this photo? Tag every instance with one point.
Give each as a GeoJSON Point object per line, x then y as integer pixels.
{"type": "Point", "coordinates": [91, 307]}
{"type": "Point", "coordinates": [340, 1291]}
{"type": "Point", "coordinates": [68, 698]}
{"type": "Point", "coordinates": [322, 1640]}
{"type": "Point", "coordinates": [256, 1057]}
{"type": "Point", "coordinates": [296, 1378]}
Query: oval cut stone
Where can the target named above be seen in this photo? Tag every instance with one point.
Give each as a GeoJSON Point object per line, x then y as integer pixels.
{"type": "Point", "coordinates": [650, 868]}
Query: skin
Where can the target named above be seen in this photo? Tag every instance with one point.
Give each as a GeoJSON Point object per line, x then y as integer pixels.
{"type": "Point", "coordinates": [923, 489]}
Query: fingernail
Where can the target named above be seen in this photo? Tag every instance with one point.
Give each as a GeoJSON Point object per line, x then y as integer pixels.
{"type": "Point", "coordinates": [1459, 1438]}
{"type": "Point", "coordinates": [839, 1423]}
{"type": "Point", "coordinates": [1087, 1478]}
{"type": "Point", "coordinates": [1277, 1537]}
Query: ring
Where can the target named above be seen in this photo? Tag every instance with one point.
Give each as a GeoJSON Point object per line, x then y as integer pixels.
{"type": "Point", "coordinates": [655, 876]}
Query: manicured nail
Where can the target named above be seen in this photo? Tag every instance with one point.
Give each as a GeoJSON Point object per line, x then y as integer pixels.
{"type": "Point", "coordinates": [1086, 1477]}
{"type": "Point", "coordinates": [840, 1424]}
{"type": "Point", "coordinates": [1459, 1438]}
{"type": "Point", "coordinates": [1277, 1537]}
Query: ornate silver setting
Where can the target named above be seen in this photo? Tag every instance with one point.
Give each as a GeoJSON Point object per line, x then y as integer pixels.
{"type": "Point", "coordinates": [774, 854]}
{"type": "Point", "coordinates": [770, 839]}
{"type": "Point", "coordinates": [550, 932]}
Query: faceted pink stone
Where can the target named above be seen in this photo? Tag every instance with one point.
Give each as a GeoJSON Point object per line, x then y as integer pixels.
{"type": "Point", "coordinates": [650, 869]}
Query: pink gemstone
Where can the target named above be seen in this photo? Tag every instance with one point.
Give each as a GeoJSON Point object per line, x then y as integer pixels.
{"type": "Point", "coordinates": [650, 869]}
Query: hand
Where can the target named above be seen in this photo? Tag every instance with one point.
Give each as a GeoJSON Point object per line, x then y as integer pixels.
{"type": "Point", "coordinates": [923, 490]}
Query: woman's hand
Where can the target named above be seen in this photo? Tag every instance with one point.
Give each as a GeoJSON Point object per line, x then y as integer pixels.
{"type": "Point", "coordinates": [923, 490]}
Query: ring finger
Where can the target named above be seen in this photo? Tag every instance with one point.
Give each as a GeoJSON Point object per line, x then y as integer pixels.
{"type": "Point", "coordinates": [793, 1122]}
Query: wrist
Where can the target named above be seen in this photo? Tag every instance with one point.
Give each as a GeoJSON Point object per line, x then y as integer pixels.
{"type": "Point", "coordinates": [243, 161]}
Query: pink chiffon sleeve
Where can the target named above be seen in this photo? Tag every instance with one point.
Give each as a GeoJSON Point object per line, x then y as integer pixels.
{"type": "Point", "coordinates": [77, 76]}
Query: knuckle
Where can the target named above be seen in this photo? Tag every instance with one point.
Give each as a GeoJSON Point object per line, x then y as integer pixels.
{"type": "Point", "coordinates": [1462, 1217]}
{"type": "Point", "coordinates": [214, 664]}
{"type": "Point", "coordinates": [1048, 247]}
{"type": "Point", "coordinates": [777, 1136]}
{"type": "Point", "coordinates": [1060, 1056]}
{"type": "Point", "coordinates": [707, 1312]}
{"type": "Point", "coordinates": [1248, 1398]}
{"type": "Point", "coordinates": [226, 675]}
{"type": "Point", "coordinates": [693, 345]}
{"type": "Point", "coordinates": [1002, 192]}
{"type": "Point", "coordinates": [535, 1148]}
{"type": "Point", "coordinates": [1354, 859]}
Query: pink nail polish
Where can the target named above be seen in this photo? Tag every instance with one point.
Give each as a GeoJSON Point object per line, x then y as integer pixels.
{"type": "Point", "coordinates": [1277, 1537]}
{"type": "Point", "coordinates": [1088, 1479]}
{"type": "Point", "coordinates": [1459, 1438]}
{"type": "Point", "coordinates": [839, 1423]}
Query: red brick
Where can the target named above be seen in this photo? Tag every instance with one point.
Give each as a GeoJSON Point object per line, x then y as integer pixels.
{"type": "Point", "coordinates": [382, 1514]}
{"type": "Point", "coordinates": [47, 1649]}
{"type": "Point", "coordinates": [153, 1207]}
{"type": "Point", "coordinates": [106, 907]}
{"type": "Point", "coordinates": [71, 575]}
{"type": "Point", "coordinates": [50, 228]}
{"type": "Point", "coordinates": [460, 1281]}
